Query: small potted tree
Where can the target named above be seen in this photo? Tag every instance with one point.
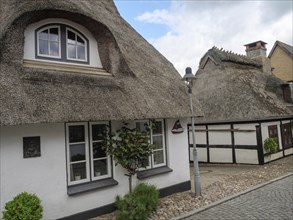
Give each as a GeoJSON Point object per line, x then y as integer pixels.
{"type": "Point", "coordinates": [130, 148]}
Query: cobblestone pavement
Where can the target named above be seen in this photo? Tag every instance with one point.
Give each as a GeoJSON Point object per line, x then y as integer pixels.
{"type": "Point", "coordinates": [219, 181]}
{"type": "Point", "coordinates": [270, 202]}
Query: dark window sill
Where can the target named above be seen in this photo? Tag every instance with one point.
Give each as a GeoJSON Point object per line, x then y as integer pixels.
{"type": "Point", "coordinates": [86, 187]}
{"type": "Point", "coordinates": [153, 172]}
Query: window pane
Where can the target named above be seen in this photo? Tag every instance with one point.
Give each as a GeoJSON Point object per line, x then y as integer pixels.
{"type": "Point", "coordinates": [97, 131]}
{"type": "Point", "coordinates": [71, 51]}
{"type": "Point", "coordinates": [157, 127]}
{"type": "Point", "coordinates": [77, 152]}
{"type": "Point", "coordinates": [80, 41]}
{"type": "Point", "coordinates": [158, 157]}
{"type": "Point", "coordinates": [158, 142]}
{"type": "Point", "coordinates": [43, 47]}
{"type": "Point", "coordinates": [100, 167]}
{"type": "Point", "coordinates": [141, 126]}
{"type": "Point", "coordinates": [54, 48]}
{"type": "Point", "coordinates": [54, 34]}
{"type": "Point", "coordinates": [78, 171]}
{"type": "Point", "coordinates": [146, 163]}
{"type": "Point", "coordinates": [70, 37]}
{"type": "Point", "coordinates": [81, 52]}
{"type": "Point", "coordinates": [44, 35]}
{"type": "Point", "coordinates": [98, 152]}
{"type": "Point", "coordinates": [76, 134]}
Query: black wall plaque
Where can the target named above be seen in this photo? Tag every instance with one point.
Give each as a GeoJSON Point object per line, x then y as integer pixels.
{"type": "Point", "coordinates": [31, 147]}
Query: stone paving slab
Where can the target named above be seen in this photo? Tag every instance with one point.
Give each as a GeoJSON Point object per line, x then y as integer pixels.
{"type": "Point", "coordinates": [211, 173]}
{"type": "Point", "coordinates": [269, 201]}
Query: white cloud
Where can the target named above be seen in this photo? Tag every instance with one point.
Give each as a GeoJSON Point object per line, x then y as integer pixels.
{"type": "Point", "coordinates": [196, 26]}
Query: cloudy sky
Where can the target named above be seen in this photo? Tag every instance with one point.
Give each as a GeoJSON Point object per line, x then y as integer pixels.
{"type": "Point", "coordinates": [183, 30]}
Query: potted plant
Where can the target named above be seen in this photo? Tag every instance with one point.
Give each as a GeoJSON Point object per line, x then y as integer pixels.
{"type": "Point", "coordinates": [98, 173]}
{"type": "Point", "coordinates": [270, 146]}
{"type": "Point", "coordinates": [77, 175]}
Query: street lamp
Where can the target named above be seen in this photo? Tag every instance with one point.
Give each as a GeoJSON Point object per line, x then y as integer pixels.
{"type": "Point", "coordinates": [189, 78]}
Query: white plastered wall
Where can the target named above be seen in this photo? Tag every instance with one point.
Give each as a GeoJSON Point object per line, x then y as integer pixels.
{"type": "Point", "coordinates": [46, 175]}
{"type": "Point", "coordinates": [220, 155]}
{"type": "Point", "coordinates": [200, 138]}
{"type": "Point", "coordinates": [246, 136]}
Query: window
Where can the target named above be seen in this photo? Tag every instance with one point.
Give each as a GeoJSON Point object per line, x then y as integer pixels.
{"type": "Point", "coordinates": [157, 137]}
{"type": "Point", "coordinates": [61, 42]}
{"type": "Point", "coordinates": [49, 42]}
{"type": "Point", "coordinates": [100, 162]}
{"type": "Point", "coordinates": [86, 159]}
{"type": "Point", "coordinates": [76, 46]}
{"type": "Point", "coordinates": [273, 132]}
{"type": "Point", "coordinates": [287, 135]}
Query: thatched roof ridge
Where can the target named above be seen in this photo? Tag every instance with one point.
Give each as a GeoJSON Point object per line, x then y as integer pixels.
{"type": "Point", "coordinates": [237, 91]}
{"type": "Point", "coordinates": [221, 55]}
{"type": "Point", "coordinates": [144, 84]}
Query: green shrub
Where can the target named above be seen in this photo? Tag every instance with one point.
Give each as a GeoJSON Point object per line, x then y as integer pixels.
{"type": "Point", "coordinates": [271, 145]}
{"type": "Point", "coordinates": [139, 204]}
{"type": "Point", "coordinates": [24, 206]}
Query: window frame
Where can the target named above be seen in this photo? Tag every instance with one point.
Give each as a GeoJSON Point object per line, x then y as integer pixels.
{"type": "Point", "coordinates": [109, 166]}
{"type": "Point", "coordinates": [150, 157]}
{"type": "Point", "coordinates": [67, 28]}
{"type": "Point", "coordinates": [48, 27]}
{"type": "Point", "coordinates": [163, 143]}
{"type": "Point", "coordinates": [88, 157]}
{"type": "Point", "coordinates": [163, 134]}
{"type": "Point", "coordinates": [63, 56]}
{"type": "Point", "coordinates": [271, 129]}
{"type": "Point", "coordinates": [87, 179]}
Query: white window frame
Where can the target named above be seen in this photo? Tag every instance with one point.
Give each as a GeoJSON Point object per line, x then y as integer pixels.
{"type": "Point", "coordinates": [87, 179]}
{"type": "Point", "coordinates": [109, 165]}
{"type": "Point", "coordinates": [85, 41]}
{"type": "Point", "coordinates": [88, 155]}
{"type": "Point", "coordinates": [59, 41]}
{"type": "Point", "coordinates": [151, 157]}
{"type": "Point", "coordinates": [163, 142]}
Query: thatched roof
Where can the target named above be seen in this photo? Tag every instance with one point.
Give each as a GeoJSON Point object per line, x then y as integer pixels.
{"type": "Point", "coordinates": [144, 84]}
{"type": "Point", "coordinates": [233, 87]}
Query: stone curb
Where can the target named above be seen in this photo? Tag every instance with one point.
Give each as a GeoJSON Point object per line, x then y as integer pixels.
{"type": "Point", "coordinates": [229, 198]}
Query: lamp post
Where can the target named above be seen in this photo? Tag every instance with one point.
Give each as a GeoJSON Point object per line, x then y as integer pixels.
{"type": "Point", "coordinates": [189, 78]}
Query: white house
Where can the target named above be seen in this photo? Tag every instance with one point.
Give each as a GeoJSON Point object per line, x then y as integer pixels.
{"type": "Point", "coordinates": [243, 105]}
{"type": "Point", "coordinates": [68, 68]}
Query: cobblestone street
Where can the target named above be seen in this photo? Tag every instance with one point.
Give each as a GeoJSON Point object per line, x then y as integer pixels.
{"type": "Point", "coordinates": [270, 202]}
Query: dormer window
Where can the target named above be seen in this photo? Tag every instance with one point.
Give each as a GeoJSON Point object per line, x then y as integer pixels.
{"type": "Point", "coordinates": [76, 46]}
{"type": "Point", "coordinates": [62, 45]}
{"type": "Point", "coordinates": [61, 42]}
{"type": "Point", "coordinates": [48, 42]}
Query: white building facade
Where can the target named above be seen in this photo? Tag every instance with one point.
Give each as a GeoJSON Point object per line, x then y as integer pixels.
{"type": "Point", "coordinates": [242, 141]}
{"type": "Point", "coordinates": [47, 173]}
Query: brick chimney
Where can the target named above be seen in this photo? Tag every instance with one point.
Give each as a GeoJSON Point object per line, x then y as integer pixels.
{"type": "Point", "coordinates": [258, 51]}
